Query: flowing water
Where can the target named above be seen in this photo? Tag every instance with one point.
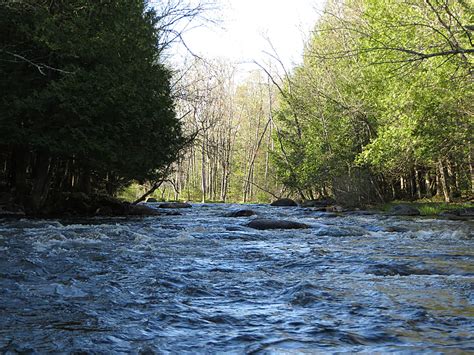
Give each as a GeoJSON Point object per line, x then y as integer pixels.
{"type": "Point", "coordinates": [204, 282]}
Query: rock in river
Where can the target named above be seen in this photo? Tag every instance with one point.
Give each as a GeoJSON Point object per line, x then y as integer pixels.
{"type": "Point", "coordinates": [404, 210]}
{"type": "Point", "coordinates": [326, 202]}
{"type": "Point", "coordinates": [142, 210]}
{"type": "Point", "coordinates": [263, 223]}
{"type": "Point", "coordinates": [175, 205]}
{"type": "Point", "coordinates": [460, 214]}
{"type": "Point", "coordinates": [284, 202]}
{"type": "Point", "coordinates": [241, 213]}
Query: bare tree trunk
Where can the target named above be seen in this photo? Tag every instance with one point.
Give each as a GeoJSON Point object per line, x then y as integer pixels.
{"type": "Point", "coordinates": [153, 188]}
{"type": "Point", "coordinates": [156, 185]}
{"type": "Point", "coordinates": [471, 167]}
{"type": "Point", "coordinates": [19, 166]}
{"type": "Point", "coordinates": [64, 183]}
{"type": "Point", "coordinates": [253, 157]}
{"type": "Point", "coordinates": [428, 185]}
{"type": "Point", "coordinates": [177, 186]}
{"type": "Point", "coordinates": [451, 178]}
{"type": "Point", "coordinates": [42, 178]}
{"type": "Point", "coordinates": [209, 179]}
{"type": "Point", "coordinates": [267, 191]}
{"type": "Point", "coordinates": [417, 184]}
{"type": "Point", "coordinates": [411, 185]}
{"type": "Point", "coordinates": [267, 160]}
{"type": "Point", "coordinates": [203, 173]}
{"type": "Point", "coordinates": [85, 181]}
{"type": "Point", "coordinates": [443, 180]}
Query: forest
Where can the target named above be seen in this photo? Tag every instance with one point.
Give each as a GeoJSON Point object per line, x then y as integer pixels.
{"type": "Point", "coordinates": [86, 100]}
{"type": "Point", "coordinates": [380, 108]}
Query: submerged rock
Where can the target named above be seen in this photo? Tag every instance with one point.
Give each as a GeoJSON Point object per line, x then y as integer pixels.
{"type": "Point", "coordinates": [335, 208]}
{"type": "Point", "coordinates": [468, 212]}
{"type": "Point", "coordinates": [318, 203]}
{"type": "Point", "coordinates": [241, 213]}
{"type": "Point", "coordinates": [142, 210]}
{"type": "Point", "coordinates": [396, 229]}
{"type": "Point", "coordinates": [459, 214]}
{"type": "Point", "coordinates": [362, 213]}
{"type": "Point", "coordinates": [397, 269]}
{"type": "Point", "coordinates": [284, 202]}
{"type": "Point", "coordinates": [263, 223]}
{"type": "Point", "coordinates": [346, 231]}
{"type": "Point", "coordinates": [175, 205]}
{"type": "Point", "coordinates": [104, 211]}
{"type": "Point", "coordinates": [324, 214]}
{"type": "Point", "coordinates": [404, 210]}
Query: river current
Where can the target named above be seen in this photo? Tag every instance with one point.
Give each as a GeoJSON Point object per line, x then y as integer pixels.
{"type": "Point", "coordinates": [202, 282]}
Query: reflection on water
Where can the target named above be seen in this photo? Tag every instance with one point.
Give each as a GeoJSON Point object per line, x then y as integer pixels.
{"type": "Point", "coordinates": [205, 282]}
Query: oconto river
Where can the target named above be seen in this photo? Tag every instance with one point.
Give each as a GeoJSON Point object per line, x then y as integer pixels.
{"type": "Point", "coordinates": [203, 282]}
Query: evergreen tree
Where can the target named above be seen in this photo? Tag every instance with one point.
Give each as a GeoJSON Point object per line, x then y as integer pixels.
{"type": "Point", "coordinates": [86, 103]}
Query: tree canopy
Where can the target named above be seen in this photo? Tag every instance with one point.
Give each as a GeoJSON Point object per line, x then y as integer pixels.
{"type": "Point", "coordinates": [381, 108]}
{"type": "Point", "coordinates": [86, 102]}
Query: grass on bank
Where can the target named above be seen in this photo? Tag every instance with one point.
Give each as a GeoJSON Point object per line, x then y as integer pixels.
{"type": "Point", "coordinates": [426, 207]}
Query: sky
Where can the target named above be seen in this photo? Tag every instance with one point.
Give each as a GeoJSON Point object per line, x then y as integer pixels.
{"type": "Point", "coordinates": [245, 26]}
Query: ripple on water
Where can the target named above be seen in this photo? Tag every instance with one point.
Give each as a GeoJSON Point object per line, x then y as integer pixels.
{"type": "Point", "coordinates": [203, 282]}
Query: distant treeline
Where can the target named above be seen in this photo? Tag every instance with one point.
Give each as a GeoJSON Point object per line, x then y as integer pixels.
{"type": "Point", "coordinates": [382, 107]}
{"type": "Point", "coordinates": [85, 99]}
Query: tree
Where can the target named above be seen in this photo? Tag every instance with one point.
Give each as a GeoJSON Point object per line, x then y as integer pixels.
{"type": "Point", "coordinates": [384, 100]}
{"type": "Point", "coordinates": [231, 122]}
{"type": "Point", "coordinates": [91, 109]}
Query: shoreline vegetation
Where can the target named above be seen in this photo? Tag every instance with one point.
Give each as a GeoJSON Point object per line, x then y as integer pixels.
{"type": "Point", "coordinates": [86, 104]}
{"type": "Point", "coordinates": [379, 111]}
{"type": "Point", "coordinates": [80, 205]}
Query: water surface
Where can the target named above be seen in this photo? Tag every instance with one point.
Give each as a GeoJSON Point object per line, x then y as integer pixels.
{"type": "Point", "coordinates": [203, 282]}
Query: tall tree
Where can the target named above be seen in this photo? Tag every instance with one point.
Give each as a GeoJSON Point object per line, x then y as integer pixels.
{"type": "Point", "coordinates": [86, 101]}
{"type": "Point", "coordinates": [384, 101]}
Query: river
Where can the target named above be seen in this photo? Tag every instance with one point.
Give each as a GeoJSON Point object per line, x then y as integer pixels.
{"type": "Point", "coordinates": [204, 282]}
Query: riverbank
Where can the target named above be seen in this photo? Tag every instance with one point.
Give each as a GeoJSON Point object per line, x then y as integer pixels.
{"type": "Point", "coordinates": [81, 205]}
{"type": "Point", "coordinates": [428, 207]}
{"type": "Point", "coordinates": [76, 204]}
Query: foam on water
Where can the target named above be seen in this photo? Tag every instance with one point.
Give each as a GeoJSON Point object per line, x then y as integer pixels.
{"type": "Point", "coordinates": [203, 282]}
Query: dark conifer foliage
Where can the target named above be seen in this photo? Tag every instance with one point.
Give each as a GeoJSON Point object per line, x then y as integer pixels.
{"type": "Point", "coordinates": [85, 101]}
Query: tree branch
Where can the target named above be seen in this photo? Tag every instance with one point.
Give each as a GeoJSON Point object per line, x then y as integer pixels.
{"type": "Point", "coordinates": [39, 66]}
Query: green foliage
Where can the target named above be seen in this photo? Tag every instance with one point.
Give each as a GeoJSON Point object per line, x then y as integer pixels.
{"type": "Point", "coordinates": [426, 207]}
{"type": "Point", "coordinates": [385, 90]}
{"type": "Point", "coordinates": [131, 192]}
